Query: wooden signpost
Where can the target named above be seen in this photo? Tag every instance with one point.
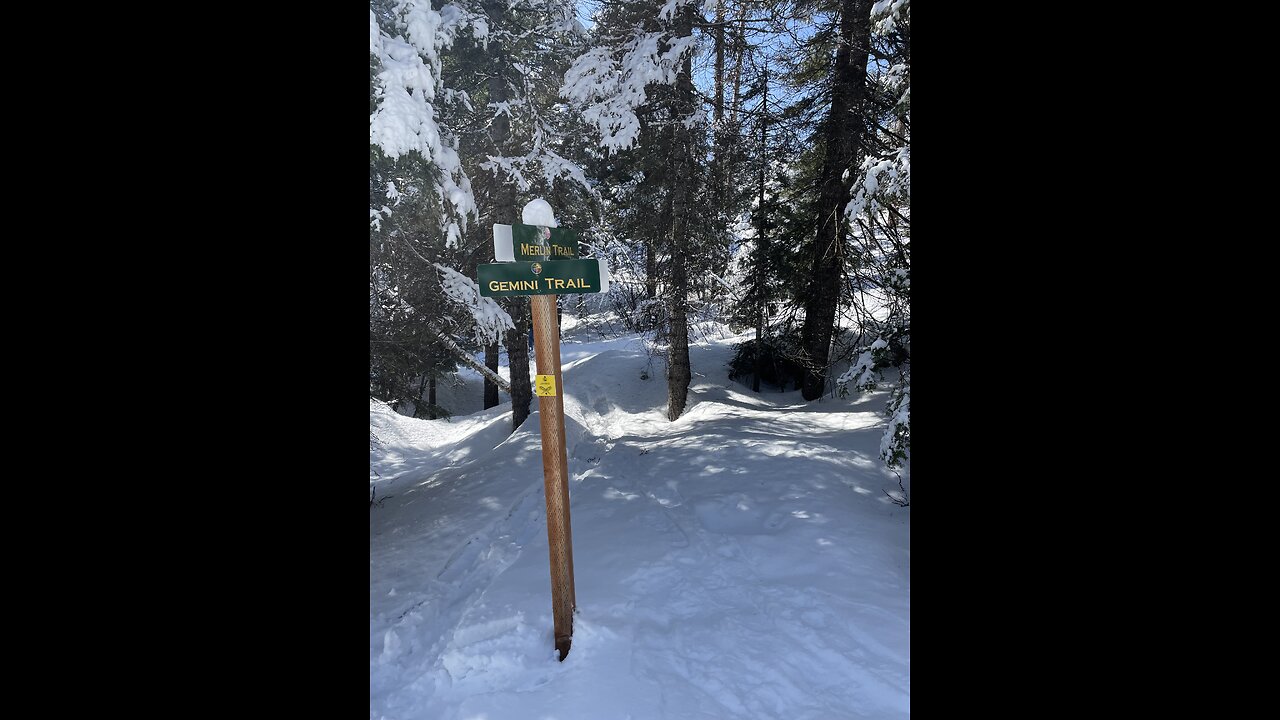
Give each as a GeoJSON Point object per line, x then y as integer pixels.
{"type": "Point", "coordinates": [542, 262]}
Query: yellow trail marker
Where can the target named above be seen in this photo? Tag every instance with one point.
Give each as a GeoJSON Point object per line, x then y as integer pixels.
{"type": "Point", "coordinates": [545, 385]}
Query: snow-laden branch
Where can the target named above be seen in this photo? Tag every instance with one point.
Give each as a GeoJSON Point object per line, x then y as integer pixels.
{"type": "Point", "coordinates": [469, 361]}
{"type": "Point", "coordinates": [454, 348]}
{"type": "Point", "coordinates": [732, 291]}
{"type": "Point", "coordinates": [611, 89]}
{"type": "Point", "coordinates": [551, 164]}
{"type": "Point", "coordinates": [862, 373]}
{"type": "Point", "coordinates": [404, 119]}
{"type": "Point", "coordinates": [895, 444]}
{"type": "Point", "coordinates": [491, 320]}
{"type": "Point", "coordinates": [882, 178]}
{"type": "Point", "coordinates": [888, 13]}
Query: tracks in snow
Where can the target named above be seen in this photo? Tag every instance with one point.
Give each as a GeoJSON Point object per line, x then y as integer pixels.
{"type": "Point", "coordinates": [687, 537]}
{"type": "Point", "coordinates": [418, 642]}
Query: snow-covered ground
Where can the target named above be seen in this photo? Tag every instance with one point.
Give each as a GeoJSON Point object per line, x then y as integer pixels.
{"type": "Point", "coordinates": [741, 562]}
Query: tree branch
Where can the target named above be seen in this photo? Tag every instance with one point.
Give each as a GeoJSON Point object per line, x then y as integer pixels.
{"type": "Point", "coordinates": [469, 361]}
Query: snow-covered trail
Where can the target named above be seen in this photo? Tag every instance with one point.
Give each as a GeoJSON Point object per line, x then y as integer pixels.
{"type": "Point", "coordinates": [741, 562]}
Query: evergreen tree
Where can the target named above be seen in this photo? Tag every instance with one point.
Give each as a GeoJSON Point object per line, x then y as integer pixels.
{"type": "Point", "coordinates": [880, 214]}
{"type": "Point", "coordinates": [420, 201]}
{"type": "Point", "coordinates": [843, 135]}
{"type": "Point", "coordinates": [635, 86]}
{"type": "Point", "coordinates": [765, 260]}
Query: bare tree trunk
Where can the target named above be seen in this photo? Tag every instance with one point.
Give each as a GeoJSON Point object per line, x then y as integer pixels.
{"type": "Point", "coordinates": [490, 388]}
{"type": "Point", "coordinates": [762, 240]}
{"type": "Point", "coordinates": [719, 38]}
{"type": "Point", "coordinates": [755, 378]}
{"type": "Point", "coordinates": [719, 157]}
{"type": "Point", "coordinates": [417, 402]}
{"type": "Point", "coordinates": [843, 134]}
{"type": "Point", "coordinates": [678, 370]}
{"type": "Point", "coordinates": [650, 270]}
{"type": "Point", "coordinates": [739, 47]}
{"type": "Point", "coordinates": [518, 357]}
{"type": "Point", "coordinates": [431, 398]}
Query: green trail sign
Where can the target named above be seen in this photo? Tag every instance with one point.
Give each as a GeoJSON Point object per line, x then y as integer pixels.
{"type": "Point", "coordinates": [553, 277]}
{"type": "Point", "coordinates": [534, 242]}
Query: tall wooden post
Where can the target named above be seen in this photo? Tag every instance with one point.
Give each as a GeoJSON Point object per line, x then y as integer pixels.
{"type": "Point", "coordinates": [527, 268]}
{"type": "Point", "coordinates": [555, 469]}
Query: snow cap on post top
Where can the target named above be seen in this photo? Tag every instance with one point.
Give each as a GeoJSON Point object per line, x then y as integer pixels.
{"type": "Point", "coordinates": [538, 212]}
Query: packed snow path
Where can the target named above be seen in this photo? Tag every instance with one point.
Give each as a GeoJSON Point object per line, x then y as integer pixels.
{"type": "Point", "coordinates": [741, 562]}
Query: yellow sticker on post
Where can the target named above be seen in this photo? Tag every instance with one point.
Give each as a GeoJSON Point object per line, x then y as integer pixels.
{"type": "Point", "coordinates": [545, 385]}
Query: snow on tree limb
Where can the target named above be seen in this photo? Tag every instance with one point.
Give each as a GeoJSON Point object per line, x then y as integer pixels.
{"type": "Point", "coordinates": [491, 319]}
{"type": "Point", "coordinates": [454, 348]}
{"type": "Point", "coordinates": [887, 13]}
{"type": "Point", "coordinates": [404, 119]}
{"type": "Point", "coordinates": [895, 444]}
{"type": "Point", "coordinates": [610, 90]}
{"type": "Point", "coordinates": [552, 166]}
{"type": "Point", "coordinates": [469, 361]}
{"type": "Point", "coordinates": [883, 178]}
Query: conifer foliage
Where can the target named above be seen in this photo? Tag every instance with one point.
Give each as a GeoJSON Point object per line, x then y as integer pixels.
{"type": "Point", "coordinates": [737, 161]}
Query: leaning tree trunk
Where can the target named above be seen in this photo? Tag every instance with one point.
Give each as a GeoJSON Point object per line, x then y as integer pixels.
{"type": "Point", "coordinates": [843, 135]}
{"type": "Point", "coordinates": [678, 371]}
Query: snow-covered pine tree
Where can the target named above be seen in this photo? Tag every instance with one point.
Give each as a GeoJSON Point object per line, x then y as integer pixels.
{"type": "Point", "coordinates": [880, 215]}
{"type": "Point", "coordinates": [402, 350]}
{"type": "Point", "coordinates": [634, 85]}
{"type": "Point", "coordinates": [406, 40]}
